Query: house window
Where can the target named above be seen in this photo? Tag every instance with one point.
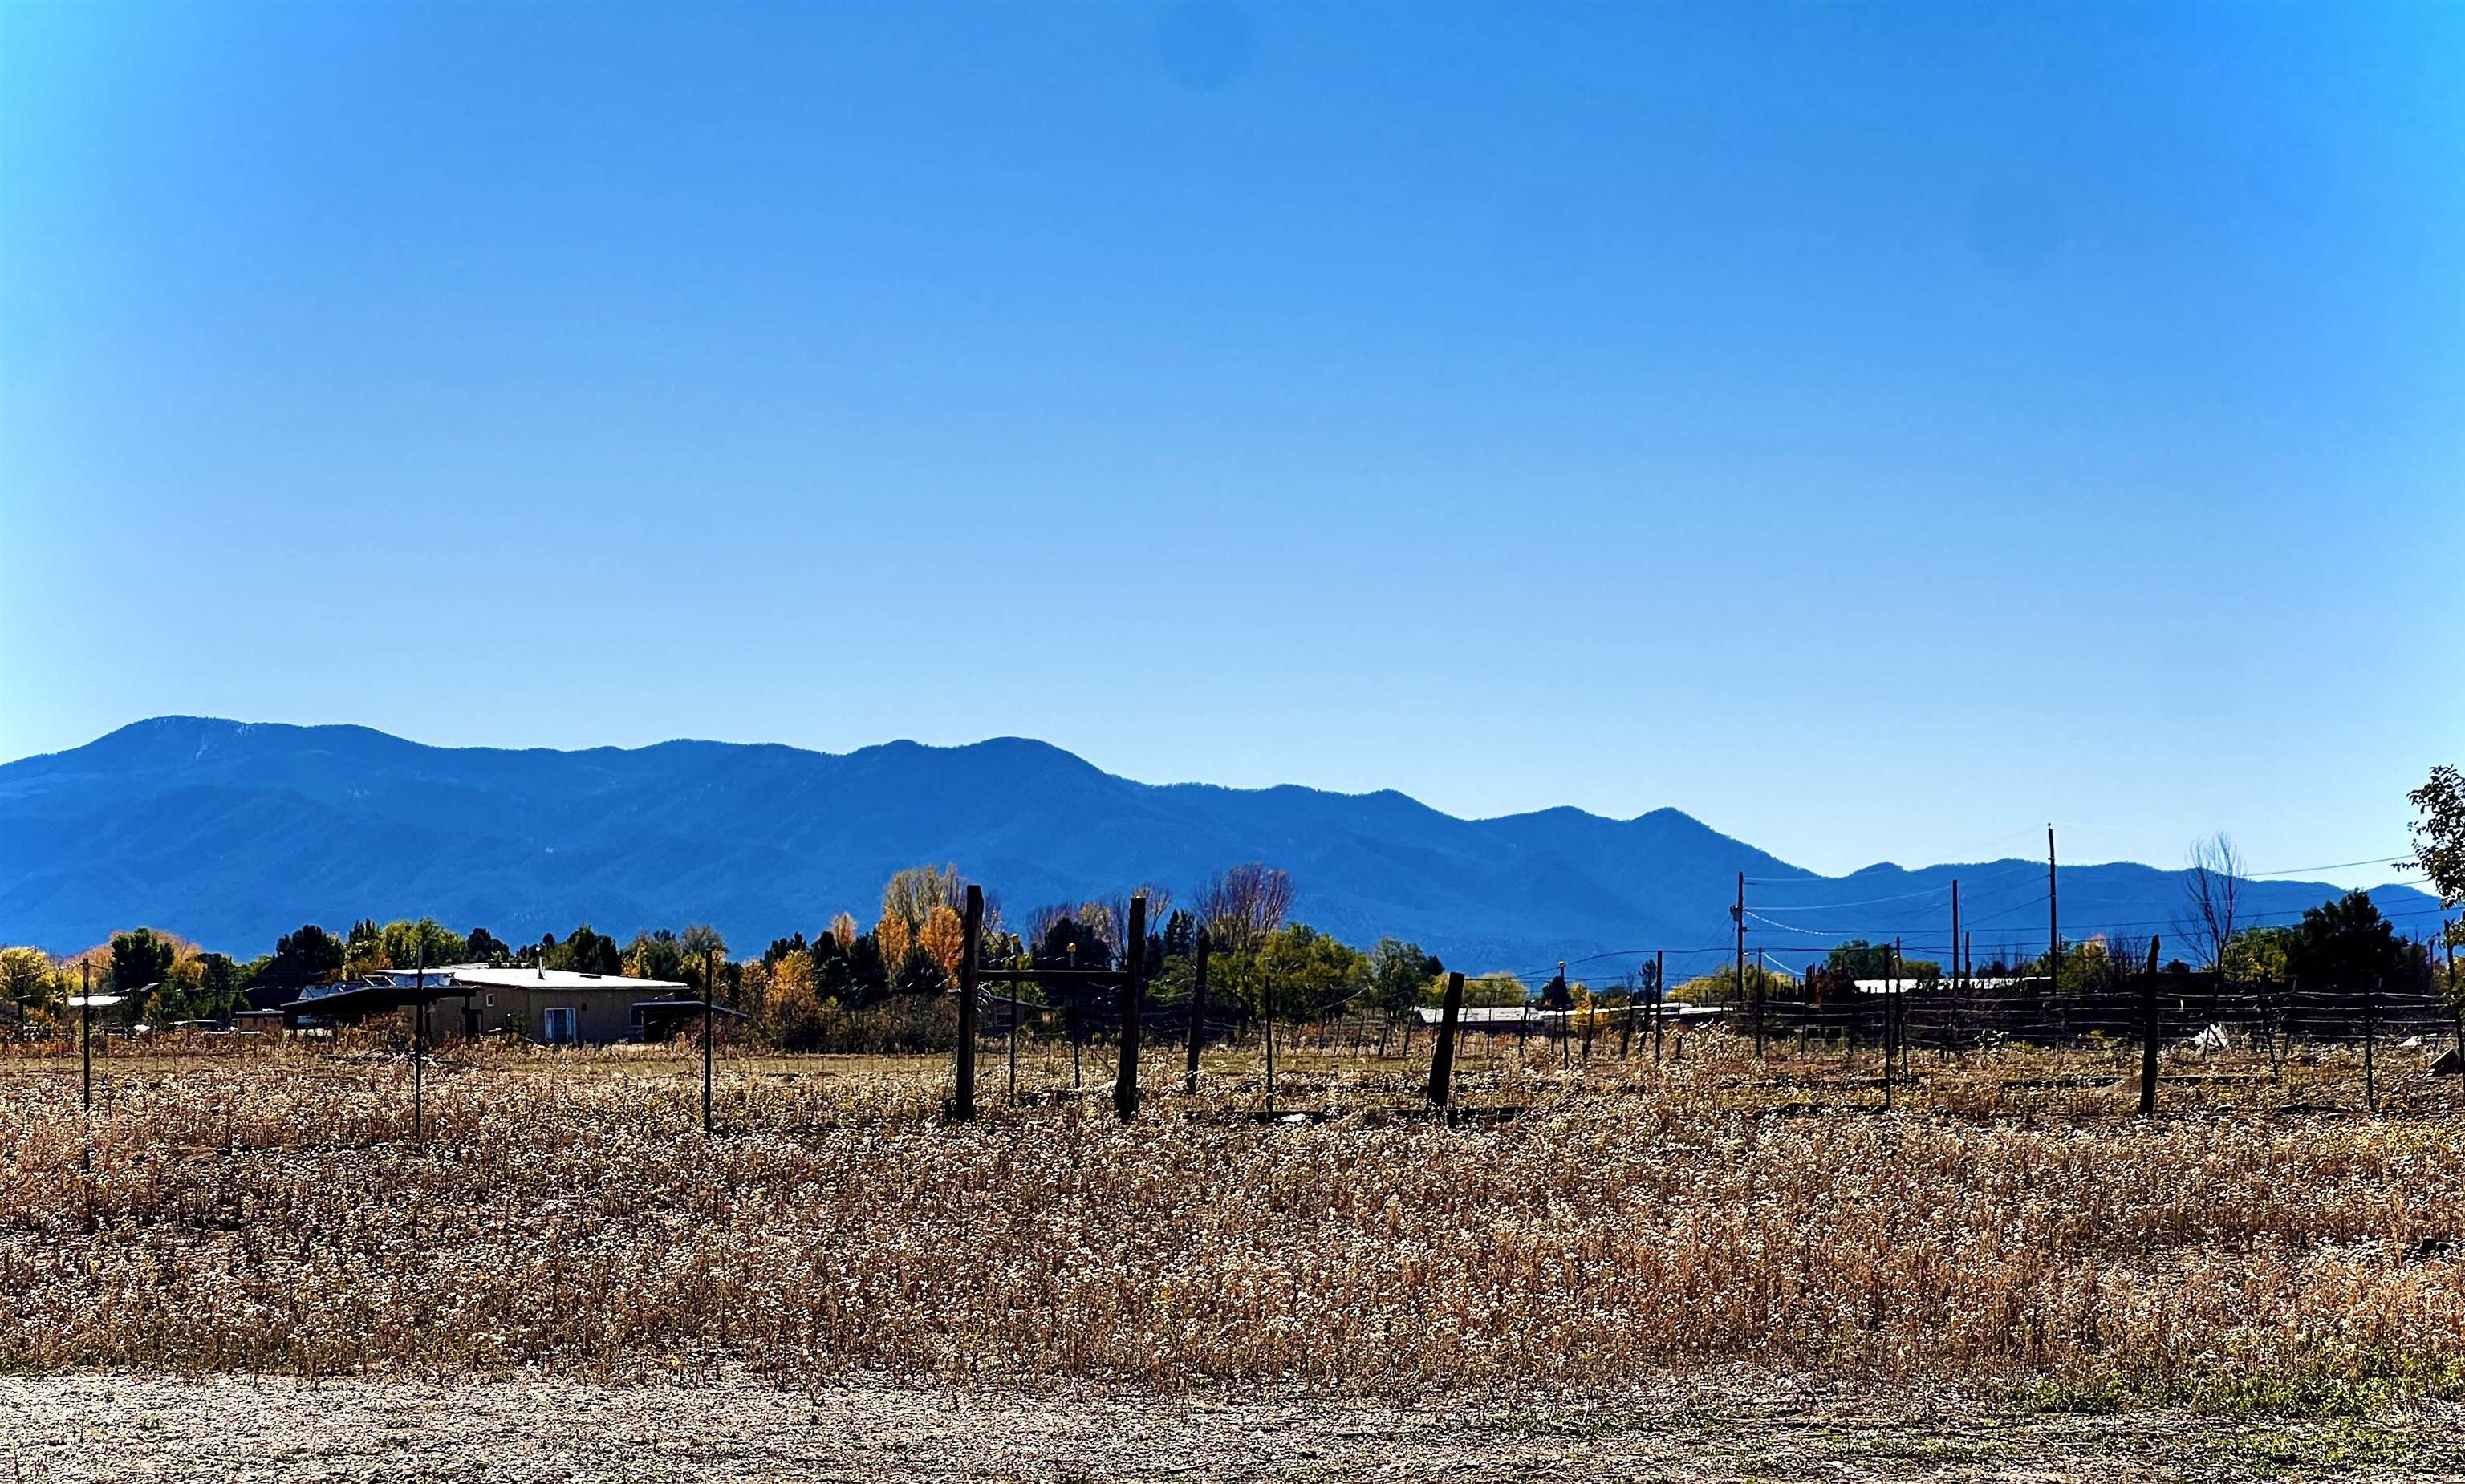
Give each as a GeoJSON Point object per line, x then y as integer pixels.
{"type": "Point", "coordinates": [492, 999]}
{"type": "Point", "coordinates": [558, 1026]}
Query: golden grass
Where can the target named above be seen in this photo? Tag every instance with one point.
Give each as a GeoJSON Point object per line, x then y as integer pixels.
{"type": "Point", "coordinates": [266, 1212]}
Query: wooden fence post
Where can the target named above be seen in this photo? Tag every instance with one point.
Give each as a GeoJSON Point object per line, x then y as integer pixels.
{"type": "Point", "coordinates": [1197, 1017]}
{"type": "Point", "coordinates": [2370, 1036]}
{"type": "Point", "coordinates": [1442, 1062]}
{"type": "Point", "coordinates": [2149, 1033]}
{"type": "Point", "coordinates": [1126, 1080]}
{"type": "Point", "coordinates": [963, 1105]}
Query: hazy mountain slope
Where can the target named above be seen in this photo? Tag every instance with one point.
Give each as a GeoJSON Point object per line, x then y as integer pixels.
{"type": "Point", "coordinates": [231, 834]}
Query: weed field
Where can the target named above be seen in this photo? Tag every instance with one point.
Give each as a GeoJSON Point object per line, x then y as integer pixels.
{"type": "Point", "coordinates": [1580, 1228]}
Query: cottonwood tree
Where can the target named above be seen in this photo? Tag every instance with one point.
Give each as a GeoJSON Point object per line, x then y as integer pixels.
{"type": "Point", "coordinates": [2213, 875]}
{"type": "Point", "coordinates": [2439, 836]}
{"type": "Point", "coordinates": [1244, 904]}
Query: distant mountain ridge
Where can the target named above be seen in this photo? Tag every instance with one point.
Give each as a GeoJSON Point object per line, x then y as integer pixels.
{"type": "Point", "coordinates": [233, 832]}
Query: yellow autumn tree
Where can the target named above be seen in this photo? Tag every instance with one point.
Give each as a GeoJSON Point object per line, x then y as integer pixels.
{"type": "Point", "coordinates": [945, 938]}
{"type": "Point", "coordinates": [895, 938]}
{"type": "Point", "coordinates": [794, 1011]}
{"type": "Point", "coordinates": [843, 928]}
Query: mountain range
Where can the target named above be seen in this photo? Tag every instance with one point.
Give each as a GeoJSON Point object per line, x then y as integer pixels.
{"type": "Point", "coordinates": [233, 832]}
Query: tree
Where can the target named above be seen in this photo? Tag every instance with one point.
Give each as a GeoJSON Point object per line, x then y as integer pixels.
{"type": "Point", "coordinates": [919, 974]}
{"type": "Point", "coordinates": [701, 942]}
{"type": "Point", "coordinates": [139, 960]}
{"type": "Point", "coordinates": [658, 956]}
{"type": "Point", "coordinates": [2212, 898]}
{"type": "Point", "coordinates": [583, 952]}
{"type": "Point", "coordinates": [944, 936]}
{"type": "Point", "coordinates": [894, 935]}
{"type": "Point", "coordinates": [1496, 989]}
{"type": "Point", "coordinates": [2439, 836]}
{"type": "Point", "coordinates": [310, 956]}
{"type": "Point", "coordinates": [26, 976]}
{"type": "Point", "coordinates": [2346, 945]}
{"type": "Point", "coordinates": [364, 950]}
{"type": "Point", "coordinates": [486, 947]}
{"type": "Point", "coordinates": [403, 941]}
{"type": "Point", "coordinates": [911, 893]}
{"type": "Point", "coordinates": [843, 928]}
{"type": "Point", "coordinates": [1400, 974]}
{"type": "Point", "coordinates": [1244, 904]}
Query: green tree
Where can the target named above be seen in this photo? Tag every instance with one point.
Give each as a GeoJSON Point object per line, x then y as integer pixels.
{"type": "Point", "coordinates": [2345, 944]}
{"type": "Point", "coordinates": [2439, 836]}
{"type": "Point", "coordinates": [1401, 975]}
{"type": "Point", "coordinates": [921, 973]}
{"type": "Point", "coordinates": [138, 960]}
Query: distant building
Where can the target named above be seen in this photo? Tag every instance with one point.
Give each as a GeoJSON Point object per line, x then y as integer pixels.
{"type": "Point", "coordinates": [549, 1006]}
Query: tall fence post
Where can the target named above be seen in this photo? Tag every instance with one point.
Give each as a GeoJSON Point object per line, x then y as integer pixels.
{"type": "Point", "coordinates": [2370, 1036]}
{"type": "Point", "coordinates": [419, 1044]}
{"type": "Point", "coordinates": [1659, 999]}
{"type": "Point", "coordinates": [2149, 1033]}
{"type": "Point", "coordinates": [971, 936]}
{"type": "Point", "coordinates": [1442, 1062]}
{"type": "Point", "coordinates": [1134, 1004]}
{"type": "Point", "coordinates": [709, 993]}
{"type": "Point", "coordinates": [1197, 1017]}
{"type": "Point", "coordinates": [85, 1030]}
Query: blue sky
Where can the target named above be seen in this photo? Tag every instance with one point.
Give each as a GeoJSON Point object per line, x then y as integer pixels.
{"type": "Point", "coordinates": [1874, 431]}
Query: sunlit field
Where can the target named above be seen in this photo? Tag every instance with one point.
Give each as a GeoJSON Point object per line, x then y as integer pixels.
{"type": "Point", "coordinates": [2264, 1243]}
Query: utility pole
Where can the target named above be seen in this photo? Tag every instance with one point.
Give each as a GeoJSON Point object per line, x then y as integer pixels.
{"type": "Point", "coordinates": [1739, 912]}
{"type": "Point", "coordinates": [2054, 921]}
{"type": "Point", "coordinates": [1958, 979]}
{"type": "Point", "coordinates": [709, 993]}
{"type": "Point", "coordinates": [2148, 1031]}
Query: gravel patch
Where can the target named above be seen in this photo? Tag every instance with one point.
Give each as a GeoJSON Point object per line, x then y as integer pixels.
{"type": "Point", "coordinates": [144, 1427]}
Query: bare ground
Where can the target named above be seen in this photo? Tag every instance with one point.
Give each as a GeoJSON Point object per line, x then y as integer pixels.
{"type": "Point", "coordinates": [151, 1428]}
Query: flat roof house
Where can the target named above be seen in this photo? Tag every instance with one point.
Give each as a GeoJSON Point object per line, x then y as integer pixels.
{"type": "Point", "coordinates": [550, 1005]}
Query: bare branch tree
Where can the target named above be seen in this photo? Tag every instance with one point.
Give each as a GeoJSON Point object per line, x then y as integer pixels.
{"type": "Point", "coordinates": [2213, 882]}
{"type": "Point", "coordinates": [1242, 906]}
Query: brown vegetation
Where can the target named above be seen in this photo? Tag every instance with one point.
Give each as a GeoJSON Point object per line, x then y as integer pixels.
{"type": "Point", "coordinates": [264, 1211]}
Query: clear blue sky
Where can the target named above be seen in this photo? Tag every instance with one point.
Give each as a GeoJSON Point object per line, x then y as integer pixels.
{"type": "Point", "coordinates": [1873, 431]}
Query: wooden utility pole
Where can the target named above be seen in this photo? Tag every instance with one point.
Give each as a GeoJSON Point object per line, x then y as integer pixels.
{"type": "Point", "coordinates": [971, 943]}
{"type": "Point", "coordinates": [1959, 978]}
{"type": "Point", "coordinates": [2053, 922]}
{"type": "Point", "coordinates": [1197, 1016]}
{"type": "Point", "coordinates": [709, 993]}
{"type": "Point", "coordinates": [2149, 1031]}
{"type": "Point", "coordinates": [1134, 1004]}
{"type": "Point", "coordinates": [1739, 912]}
{"type": "Point", "coordinates": [1442, 1062]}
{"type": "Point", "coordinates": [1626, 1027]}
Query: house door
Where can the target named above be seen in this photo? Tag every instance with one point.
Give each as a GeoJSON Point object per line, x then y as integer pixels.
{"type": "Point", "coordinates": [557, 1027]}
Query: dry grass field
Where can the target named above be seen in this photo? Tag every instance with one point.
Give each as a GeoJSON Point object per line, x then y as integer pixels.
{"type": "Point", "coordinates": [2006, 1233]}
